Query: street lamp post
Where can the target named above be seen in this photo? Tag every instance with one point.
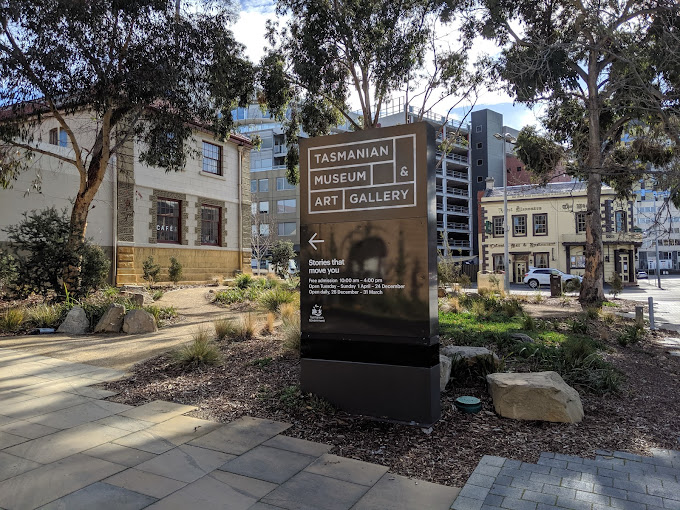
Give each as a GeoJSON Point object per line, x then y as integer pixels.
{"type": "Point", "coordinates": [506, 138]}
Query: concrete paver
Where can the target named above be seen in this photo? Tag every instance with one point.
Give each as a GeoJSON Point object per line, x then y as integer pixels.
{"type": "Point", "coordinates": [61, 447]}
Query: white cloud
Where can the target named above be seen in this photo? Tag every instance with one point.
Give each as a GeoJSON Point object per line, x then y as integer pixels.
{"type": "Point", "coordinates": [251, 27]}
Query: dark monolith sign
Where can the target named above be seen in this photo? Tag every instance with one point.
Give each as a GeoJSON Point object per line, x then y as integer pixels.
{"type": "Point", "coordinates": [368, 268]}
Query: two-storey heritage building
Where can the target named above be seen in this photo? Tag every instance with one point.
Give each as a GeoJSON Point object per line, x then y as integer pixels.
{"type": "Point", "coordinates": [200, 215]}
{"type": "Point", "coordinates": [548, 229]}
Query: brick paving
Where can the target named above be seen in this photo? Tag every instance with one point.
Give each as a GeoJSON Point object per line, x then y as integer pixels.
{"type": "Point", "coordinates": [610, 481]}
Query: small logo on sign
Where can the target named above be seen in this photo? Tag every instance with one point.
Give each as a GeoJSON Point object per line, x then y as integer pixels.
{"type": "Point", "coordinates": [317, 314]}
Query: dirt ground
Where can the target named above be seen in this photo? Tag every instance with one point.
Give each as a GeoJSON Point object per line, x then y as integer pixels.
{"type": "Point", "coordinates": [122, 351]}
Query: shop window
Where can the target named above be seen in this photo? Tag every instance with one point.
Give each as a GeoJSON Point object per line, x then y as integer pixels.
{"type": "Point", "coordinates": [498, 263]}
{"type": "Point", "coordinates": [211, 222]}
{"type": "Point", "coordinates": [168, 220]}
{"type": "Point", "coordinates": [578, 262]}
{"type": "Point", "coordinates": [212, 158]}
{"type": "Point", "coordinates": [540, 224]}
{"type": "Point", "coordinates": [541, 260]}
{"type": "Point", "coordinates": [519, 225]}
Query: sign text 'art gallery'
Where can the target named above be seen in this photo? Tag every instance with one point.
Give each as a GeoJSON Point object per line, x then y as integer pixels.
{"type": "Point", "coordinates": [363, 175]}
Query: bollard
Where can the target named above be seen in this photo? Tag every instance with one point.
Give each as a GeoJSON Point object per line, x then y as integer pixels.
{"type": "Point", "coordinates": [650, 300]}
{"type": "Point", "coordinates": [639, 317]}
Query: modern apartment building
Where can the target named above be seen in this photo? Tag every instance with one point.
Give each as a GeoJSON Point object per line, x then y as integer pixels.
{"type": "Point", "coordinates": [660, 222]}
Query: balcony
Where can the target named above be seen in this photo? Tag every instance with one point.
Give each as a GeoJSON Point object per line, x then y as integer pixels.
{"type": "Point", "coordinates": [280, 150]}
{"type": "Point", "coordinates": [457, 209]}
{"type": "Point", "coordinates": [457, 192]}
{"type": "Point", "coordinates": [461, 176]}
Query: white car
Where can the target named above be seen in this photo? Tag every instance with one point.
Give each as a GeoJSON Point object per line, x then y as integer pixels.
{"type": "Point", "coordinates": [541, 276]}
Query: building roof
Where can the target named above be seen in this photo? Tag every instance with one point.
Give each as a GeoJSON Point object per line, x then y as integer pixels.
{"type": "Point", "coordinates": [552, 188]}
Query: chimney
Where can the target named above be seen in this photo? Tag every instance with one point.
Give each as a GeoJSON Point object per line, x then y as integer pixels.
{"type": "Point", "coordinates": [489, 182]}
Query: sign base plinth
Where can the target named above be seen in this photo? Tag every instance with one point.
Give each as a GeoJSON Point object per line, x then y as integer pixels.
{"type": "Point", "coordinates": [396, 393]}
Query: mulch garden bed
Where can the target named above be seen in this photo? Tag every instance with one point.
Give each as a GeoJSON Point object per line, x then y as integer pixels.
{"type": "Point", "coordinates": [258, 378]}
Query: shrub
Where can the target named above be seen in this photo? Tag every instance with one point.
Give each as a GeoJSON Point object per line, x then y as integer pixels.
{"type": "Point", "coordinates": [229, 296]}
{"type": "Point", "coordinates": [282, 252]}
{"type": "Point", "coordinates": [244, 280]}
{"type": "Point", "coordinates": [538, 298]}
{"type": "Point", "coordinates": [268, 326]}
{"type": "Point", "coordinates": [246, 327]}
{"type": "Point", "coordinates": [42, 256]}
{"type": "Point", "coordinates": [157, 295]}
{"type": "Point", "coordinates": [9, 271]}
{"type": "Point", "coordinates": [616, 284]}
{"type": "Point", "coordinates": [46, 316]}
{"type": "Point", "coordinates": [573, 285]}
{"type": "Point", "coordinates": [12, 319]}
{"type": "Point", "coordinates": [292, 283]}
{"type": "Point", "coordinates": [511, 307]}
{"type": "Point", "coordinates": [579, 325]}
{"type": "Point", "coordinates": [592, 313]}
{"type": "Point", "coordinates": [225, 328]}
{"type": "Point", "coordinates": [631, 334]}
{"type": "Point", "coordinates": [528, 323]}
{"type": "Point", "coordinates": [451, 305]}
{"type": "Point", "coordinates": [151, 270]}
{"type": "Point", "coordinates": [272, 299]}
{"type": "Point", "coordinates": [291, 333]}
{"type": "Point", "coordinates": [174, 271]}
{"type": "Point", "coordinates": [289, 312]}
{"type": "Point", "coordinates": [463, 280]}
{"type": "Point", "coordinates": [201, 351]}
{"type": "Point", "coordinates": [478, 309]}
{"type": "Point", "coordinates": [161, 313]}
{"type": "Point", "coordinates": [608, 318]}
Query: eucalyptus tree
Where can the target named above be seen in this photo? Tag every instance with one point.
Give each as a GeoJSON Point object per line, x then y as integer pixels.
{"type": "Point", "coordinates": [140, 69]}
{"type": "Point", "coordinates": [607, 71]}
{"type": "Point", "coordinates": [331, 49]}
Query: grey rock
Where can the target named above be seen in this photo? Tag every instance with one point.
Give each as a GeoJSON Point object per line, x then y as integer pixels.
{"type": "Point", "coordinates": [139, 321]}
{"type": "Point", "coordinates": [444, 371]}
{"type": "Point", "coordinates": [136, 298]}
{"type": "Point", "coordinates": [535, 396]}
{"type": "Point", "coordinates": [521, 337]}
{"type": "Point", "coordinates": [471, 355]}
{"type": "Point", "coordinates": [112, 320]}
{"type": "Point", "coordinates": [76, 322]}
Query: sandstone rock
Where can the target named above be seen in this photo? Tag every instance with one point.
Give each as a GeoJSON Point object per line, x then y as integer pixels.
{"type": "Point", "coordinates": [136, 298]}
{"type": "Point", "coordinates": [112, 320]}
{"type": "Point", "coordinates": [76, 322]}
{"type": "Point", "coordinates": [139, 321]}
{"type": "Point", "coordinates": [535, 396]}
{"type": "Point", "coordinates": [471, 355]}
{"type": "Point", "coordinates": [521, 337]}
{"type": "Point", "coordinates": [444, 371]}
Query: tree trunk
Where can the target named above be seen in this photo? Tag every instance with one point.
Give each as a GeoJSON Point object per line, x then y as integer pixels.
{"type": "Point", "coordinates": [76, 239]}
{"type": "Point", "coordinates": [592, 292]}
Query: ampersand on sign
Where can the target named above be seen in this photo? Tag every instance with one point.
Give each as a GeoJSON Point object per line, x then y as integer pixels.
{"type": "Point", "coordinates": [404, 171]}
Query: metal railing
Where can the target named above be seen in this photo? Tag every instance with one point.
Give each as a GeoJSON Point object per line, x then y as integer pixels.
{"type": "Point", "coordinates": [457, 208]}
{"type": "Point", "coordinates": [458, 192]}
{"type": "Point", "coordinates": [457, 175]}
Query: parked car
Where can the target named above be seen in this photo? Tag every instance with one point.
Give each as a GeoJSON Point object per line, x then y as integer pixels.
{"type": "Point", "coordinates": [642, 275]}
{"type": "Point", "coordinates": [541, 276]}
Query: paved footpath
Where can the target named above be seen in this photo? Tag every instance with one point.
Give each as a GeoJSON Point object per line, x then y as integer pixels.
{"type": "Point", "coordinates": [63, 447]}
{"type": "Point", "coordinates": [611, 481]}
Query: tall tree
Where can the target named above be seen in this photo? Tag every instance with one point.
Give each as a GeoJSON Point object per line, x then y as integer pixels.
{"type": "Point", "coordinates": [332, 49]}
{"type": "Point", "coordinates": [140, 69]}
{"type": "Point", "coordinates": [608, 72]}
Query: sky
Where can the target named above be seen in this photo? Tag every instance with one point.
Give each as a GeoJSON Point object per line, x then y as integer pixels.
{"type": "Point", "coordinates": [250, 30]}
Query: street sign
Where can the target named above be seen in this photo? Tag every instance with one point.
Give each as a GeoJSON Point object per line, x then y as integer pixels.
{"type": "Point", "coordinates": [369, 322]}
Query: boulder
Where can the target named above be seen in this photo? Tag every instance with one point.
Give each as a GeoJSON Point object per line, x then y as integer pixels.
{"type": "Point", "coordinates": [76, 322]}
{"type": "Point", "coordinates": [540, 396]}
{"type": "Point", "coordinates": [471, 355]}
{"type": "Point", "coordinates": [444, 371]}
{"type": "Point", "coordinates": [521, 337]}
{"type": "Point", "coordinates": [139, 321]}
{"type": "Point", "coordinates": [112, 320]}
{"type": "Point", "coordinates": [136, 298]}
